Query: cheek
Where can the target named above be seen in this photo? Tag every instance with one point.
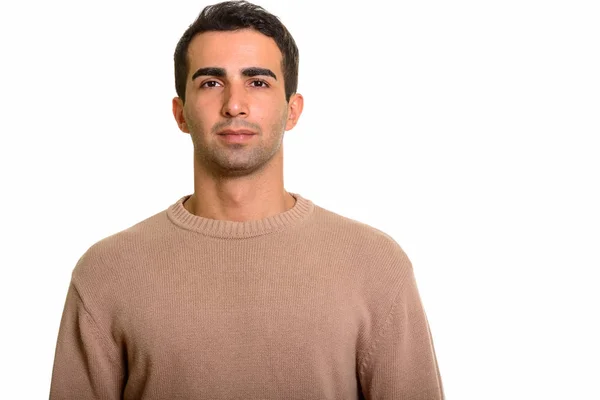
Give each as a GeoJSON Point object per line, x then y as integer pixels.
{"type": "Point", "coordinates": [273, 112]}
{"type": "Point", "coordinates": [196, 115]}
{"type": "Point", "coordinates": [272, 121]}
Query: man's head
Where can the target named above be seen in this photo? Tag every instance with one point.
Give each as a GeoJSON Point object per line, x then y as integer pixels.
{"type": "Point", "coordinates": [232, 77]}
{"type": "Point", "coordinates": [232, 16]}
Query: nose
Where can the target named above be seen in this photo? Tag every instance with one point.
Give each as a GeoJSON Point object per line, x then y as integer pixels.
{"type": "Point", "coordinates": [234, 101]}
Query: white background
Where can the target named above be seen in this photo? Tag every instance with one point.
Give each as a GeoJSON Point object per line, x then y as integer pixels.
{"type": "Point", "coordinates": [467, 130]}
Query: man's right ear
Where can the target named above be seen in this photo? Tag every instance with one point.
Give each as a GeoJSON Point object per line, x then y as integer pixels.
{"type": "Point", "coordinates": [178, 114]}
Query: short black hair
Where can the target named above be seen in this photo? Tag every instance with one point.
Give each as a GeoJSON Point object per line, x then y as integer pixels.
{"type": "Point", "coordinates": [232, 16]}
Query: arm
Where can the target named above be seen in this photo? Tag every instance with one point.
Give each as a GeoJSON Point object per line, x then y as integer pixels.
{"type": "Point", "coordinates": [401, 361]}
{"type": "Point", "coordinates": [87, 364]}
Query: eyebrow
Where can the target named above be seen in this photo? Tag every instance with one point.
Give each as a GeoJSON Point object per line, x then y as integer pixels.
{"type": "Point", "coordinates": [220, 72]}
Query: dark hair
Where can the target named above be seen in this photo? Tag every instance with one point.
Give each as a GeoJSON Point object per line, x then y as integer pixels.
{"type": "Point", "coordinates": [231, 16]}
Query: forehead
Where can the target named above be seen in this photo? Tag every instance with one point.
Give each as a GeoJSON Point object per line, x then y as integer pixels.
{"type": "Point", "coordinates": [233, 50]}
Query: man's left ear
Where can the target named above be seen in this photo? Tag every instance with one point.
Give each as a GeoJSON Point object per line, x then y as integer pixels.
{"type": "Point", "coordinates": [295, 106]}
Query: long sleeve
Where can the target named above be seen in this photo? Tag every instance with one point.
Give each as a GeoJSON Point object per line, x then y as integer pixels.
{"type": "Point", "coordinates": [86, 363]}
{"type": "Point", "coordinates": [401, 362]}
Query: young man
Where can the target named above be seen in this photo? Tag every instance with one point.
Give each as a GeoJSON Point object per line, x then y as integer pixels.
{"type": "Point", "coordinates": [243, 290]}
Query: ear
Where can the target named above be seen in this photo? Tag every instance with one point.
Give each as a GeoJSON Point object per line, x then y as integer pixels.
{"type": "Point", "coordinates": [178, 114]}
{"type": "Point", "coordinates": [295, 106]}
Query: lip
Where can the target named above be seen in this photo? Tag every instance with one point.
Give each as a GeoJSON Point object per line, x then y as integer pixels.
{"type": "Point", "coordinates": [239, 136]}
{"type": "Point", "coordinates": [237, 132]}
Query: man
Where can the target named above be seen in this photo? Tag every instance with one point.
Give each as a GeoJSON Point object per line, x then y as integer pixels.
{"type": "Point", "coordinates": [243, 290]}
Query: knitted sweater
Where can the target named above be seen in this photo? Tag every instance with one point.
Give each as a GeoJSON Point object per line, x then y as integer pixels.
{"type": "Point", "coordinates": [305, 304]}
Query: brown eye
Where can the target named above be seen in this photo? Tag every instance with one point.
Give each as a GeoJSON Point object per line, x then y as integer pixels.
{"type": "Point", "coordinates": [209, 84]}
{"type": "Point", "coordinates": [260, 84]}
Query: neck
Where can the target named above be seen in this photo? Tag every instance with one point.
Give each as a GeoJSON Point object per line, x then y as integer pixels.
{"type": "Point", "coordinates": [242, 198]}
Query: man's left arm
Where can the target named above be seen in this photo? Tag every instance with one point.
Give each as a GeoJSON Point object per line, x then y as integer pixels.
{"type": "Point", "coordinates": [401, 362]}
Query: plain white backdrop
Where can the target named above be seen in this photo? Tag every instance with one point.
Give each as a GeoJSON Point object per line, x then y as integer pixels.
{"type": "Point", "coordinates": [466, 130]}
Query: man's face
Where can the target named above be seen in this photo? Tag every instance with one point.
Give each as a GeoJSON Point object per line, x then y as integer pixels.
{"type": "Point", "coordinates": [235, 83]}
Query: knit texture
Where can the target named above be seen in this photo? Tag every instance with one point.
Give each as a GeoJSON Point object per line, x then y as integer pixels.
{"type": "Point", "coordinates": [306, 304]}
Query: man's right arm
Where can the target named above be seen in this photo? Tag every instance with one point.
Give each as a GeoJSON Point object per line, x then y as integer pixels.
{"type": "Point", "coordinates": [87, 365]}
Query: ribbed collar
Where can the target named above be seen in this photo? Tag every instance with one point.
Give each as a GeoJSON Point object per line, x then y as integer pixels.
{"type": "Point", "coordinates": [236, 229]}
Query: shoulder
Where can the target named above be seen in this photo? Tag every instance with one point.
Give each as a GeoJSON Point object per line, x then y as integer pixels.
{"type": "Point", "coordinates": [357, 233]}
{"type": "Point", "coordinates": [378, 268]}
{"type": "Point", "coordinates": [112, 257]}
{"type": "Point", "coordinates": [367, 248]}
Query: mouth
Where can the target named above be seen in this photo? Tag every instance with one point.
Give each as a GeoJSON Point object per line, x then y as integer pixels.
{"type": "Point", "coordinates": [240, 136]}
{"type": "Point", "coordinates": [241, 132]}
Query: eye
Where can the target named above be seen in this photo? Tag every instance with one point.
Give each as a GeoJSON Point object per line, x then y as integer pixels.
{"type": "Point", "coordinates": [260, 84]}
{"type": "Point", "coordinates": [209, 84]}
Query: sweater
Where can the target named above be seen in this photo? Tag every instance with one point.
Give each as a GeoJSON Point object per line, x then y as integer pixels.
{"type": "Point", "coordinates": [305, 304]}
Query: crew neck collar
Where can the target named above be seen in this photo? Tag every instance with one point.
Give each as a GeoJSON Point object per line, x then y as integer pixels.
{"type": "Point", "coordinates": [181, 217]}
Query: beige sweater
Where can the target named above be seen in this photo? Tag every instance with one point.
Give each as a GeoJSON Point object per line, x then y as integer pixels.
{"type": "Point", "coordinates": [306, 304]}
